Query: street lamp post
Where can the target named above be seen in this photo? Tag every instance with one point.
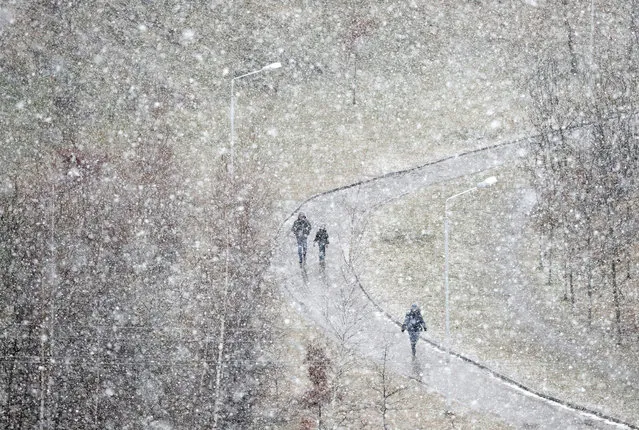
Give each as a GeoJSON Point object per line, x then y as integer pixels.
{"type": "Point", "coordinates": [271, 66]}
{"type": "Point", "coordinates": [592, 46]}
{"type": "Point", "coordinates": [484, 184]}
{"type": "Point", "coordinates": [220, 352]}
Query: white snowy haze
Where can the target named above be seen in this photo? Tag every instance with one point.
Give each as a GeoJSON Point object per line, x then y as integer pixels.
{"type": "Point", "coordinates": [156, 154]}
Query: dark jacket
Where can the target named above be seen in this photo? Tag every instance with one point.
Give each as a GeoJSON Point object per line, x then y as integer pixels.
{"type": "Point", "coordinates": [301, 227]}
{"type": "Point", "coordinates": [321, 237]}
{"type": "Point", "coordinates": [414, 321]}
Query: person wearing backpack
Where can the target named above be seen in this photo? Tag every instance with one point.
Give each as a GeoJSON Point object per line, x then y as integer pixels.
{"type": "Point", "coordinates": [321, 237]}
{"type": "Point", "coordinates": [301, 229]}
{"type": "Point", "coordinates": [414, 323]}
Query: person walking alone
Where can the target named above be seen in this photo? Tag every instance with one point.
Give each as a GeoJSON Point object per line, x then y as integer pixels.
{"type": "Point", "coordinates": [301, 229]}
{"type": "Point", "coordinates": [414, 323]}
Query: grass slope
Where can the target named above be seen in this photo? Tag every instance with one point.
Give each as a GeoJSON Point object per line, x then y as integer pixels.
{"type": "Point", "coordinates": [502, 311]}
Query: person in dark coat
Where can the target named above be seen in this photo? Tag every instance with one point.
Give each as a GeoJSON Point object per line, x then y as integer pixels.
{"type": "Point", "coordinates": [414, 323]}
{"type": "Point", "coordinates": [301, 229]}
{"type": "Point", "coordinates": [321, 237]}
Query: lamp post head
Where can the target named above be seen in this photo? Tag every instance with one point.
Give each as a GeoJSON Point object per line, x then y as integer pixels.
{"type": "Point", "coordinates": [272, 66]}
{"type": "Point", "coordinates": [487, 182]}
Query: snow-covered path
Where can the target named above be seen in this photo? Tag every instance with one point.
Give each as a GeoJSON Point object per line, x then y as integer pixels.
{"type": "Point", "coordinates": [329, 297]}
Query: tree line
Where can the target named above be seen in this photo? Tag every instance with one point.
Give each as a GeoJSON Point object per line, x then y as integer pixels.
{"type": "Point", "coordinates": [132, 292]}
{"type": "Point", "coordinates": [111, 309]}
{"type": "Point", "coordinates": [585, 169]}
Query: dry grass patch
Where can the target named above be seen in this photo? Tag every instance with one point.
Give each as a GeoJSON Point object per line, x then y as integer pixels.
{"type": "Point", "coordinates": [502, 311]}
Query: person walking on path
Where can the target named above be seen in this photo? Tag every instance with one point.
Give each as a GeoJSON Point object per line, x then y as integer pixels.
{"type": "Point", "coordinates": [414, 323]}
{"type": "Point", "coordinates": [321, 237]}
{"type": "Point", "coordinates": [301, 229]}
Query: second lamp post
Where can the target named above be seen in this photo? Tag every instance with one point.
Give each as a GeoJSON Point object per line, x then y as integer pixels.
{"type": "Point", "coordinates": [483, 184]}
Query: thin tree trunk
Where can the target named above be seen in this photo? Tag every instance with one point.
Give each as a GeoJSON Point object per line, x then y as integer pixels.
{"type": "Point", "coordinates": [42, 390]}
{"type": "Point", "coordinates": [628, 263]}
{"type": "Point", "coordinates": [634, 34]}
{"type": "Point", "coordinates": [571, 47]}
{"type": "Point", "coordinates": [541, 251]}
{"type": "Point", "coordinates": [47, 336]}
{"type": "Point", "coordinates": [566, 278]}
{"type": "Point", "coordinates": [550, 255]}
{"type": "Point", "coordinates": [616, 300]}
{"type": "Point", "coordinates": [354, 76]}
{"type": "Point", "coordinates": [198, 395]}
{"type": "Point", "coordinates": [384, 392]}
{"type": "Point", "coordinates": [10, 383]}
{"type": "Point", "coordinates": [572, 289]}
{"type": "Point", "coordinates": [24, 409]}
{"type": "Point", "coordinates": [589, 282]}
{"type": "Point", "coordinates": [96, 309]}
{"type": "Point", "coordinates": [589, 292]}
{"type": "Point", "coordinates": [97, 381]}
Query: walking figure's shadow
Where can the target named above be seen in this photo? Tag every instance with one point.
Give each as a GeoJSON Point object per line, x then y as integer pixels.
{"type": "Point", "coordinates": [418, 370]}
{"type": "Point", "coordinates": [304, 274]}
{"type": "Point", "coordinates": [322, 273]}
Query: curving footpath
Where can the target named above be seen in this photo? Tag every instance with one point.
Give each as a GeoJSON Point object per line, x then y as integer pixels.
{"type": "Point", "coordinates": [335, 300]}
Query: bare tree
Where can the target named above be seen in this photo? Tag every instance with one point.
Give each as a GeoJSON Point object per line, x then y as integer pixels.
{"type": "Point", "coordinates": [359, 27]}
{"type": "Point", "coordinates": [552, 115]}
{"type": "Point", "coordinates": [319, 394]}
{"type": "Point", "coordinates": [570, 34]}
{"type": "Point", "coordinates": [389, 392]}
